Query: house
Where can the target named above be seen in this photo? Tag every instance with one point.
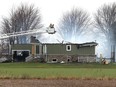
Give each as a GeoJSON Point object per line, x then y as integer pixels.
{"type": "Point", "coordinates": [70, 52]}
{"type": "Point", "coordinates": [56, 52]}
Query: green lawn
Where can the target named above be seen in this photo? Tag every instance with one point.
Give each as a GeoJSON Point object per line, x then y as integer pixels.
{"type": "Point", "coordinates": [39, 70]}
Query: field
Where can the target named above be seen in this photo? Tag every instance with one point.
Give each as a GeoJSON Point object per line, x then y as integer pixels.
{"type": "Point", "coordinates": [57, 71]}
{"type": "Point", "coordinates": [57, 75]}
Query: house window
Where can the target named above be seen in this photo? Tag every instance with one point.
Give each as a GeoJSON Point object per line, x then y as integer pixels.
{"type": "Point", "coordinates": [68, 47]}
{"type": "Point", "coordinates": [54, 60]}
{"type": "Point", "coordinates": [68, 60]}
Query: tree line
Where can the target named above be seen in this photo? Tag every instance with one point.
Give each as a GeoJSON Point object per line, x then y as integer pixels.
{"type": "Point", "coordinates": [72, 24]}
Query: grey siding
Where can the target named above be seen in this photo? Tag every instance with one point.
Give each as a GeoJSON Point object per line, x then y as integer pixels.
{"type": "Point", "coordinates": [22, 47]}
{"type": "Point", "coordinates": [61, 49]}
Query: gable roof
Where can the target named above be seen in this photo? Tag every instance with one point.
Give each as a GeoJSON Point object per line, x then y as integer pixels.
{"type": "Point", "coordinates": [81, 45]}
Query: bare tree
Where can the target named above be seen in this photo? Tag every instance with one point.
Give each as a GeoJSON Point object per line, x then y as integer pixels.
{"type": "Point", "coordinates": [21, 19]}
{"type": "Point", "coordinates": [73, 24]}
{"type": "Point", "coordinates": [105, 21]}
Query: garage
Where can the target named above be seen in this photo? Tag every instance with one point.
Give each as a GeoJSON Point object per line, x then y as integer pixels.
{"type": "Point", "coordinates": [20, 55]}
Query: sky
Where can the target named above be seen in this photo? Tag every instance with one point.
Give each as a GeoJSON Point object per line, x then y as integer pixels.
{"type": "Point", "coordinates": [52, 10]}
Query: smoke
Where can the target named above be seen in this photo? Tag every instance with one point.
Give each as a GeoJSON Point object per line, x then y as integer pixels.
{"type": "Point", "coordinates": [51, 38]}
{"type": "Point", "coordinates": [103, 46]}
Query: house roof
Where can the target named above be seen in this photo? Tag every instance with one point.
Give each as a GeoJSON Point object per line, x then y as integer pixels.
{"type": "Point", "coordinates": [81, 44]}
{"type": "Point", "coordinates": [78, 44]}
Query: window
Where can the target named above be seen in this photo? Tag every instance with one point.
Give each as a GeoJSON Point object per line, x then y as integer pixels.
{"type": "Point", "coordinates": [68, 60]}
{"type": "Point", "coordinates": [37, 49]}
{"type": "Point", "coordinates": [68, 47]}
{"type": "Point", "coordinates": [54, 59]}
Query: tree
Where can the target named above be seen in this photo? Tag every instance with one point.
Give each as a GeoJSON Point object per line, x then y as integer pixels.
{"type": "Point", "coordinates": [73, 24]}
{"type": "Point", "coordinates": [105, 21]}
{"type": "Point", "coordinates": [21, 19]}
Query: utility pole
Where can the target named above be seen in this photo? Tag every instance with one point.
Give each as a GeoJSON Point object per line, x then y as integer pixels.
{"type": "Point", "coordinates": [113, 53]}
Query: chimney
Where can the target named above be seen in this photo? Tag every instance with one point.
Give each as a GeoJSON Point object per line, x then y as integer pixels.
{"type": "Point", "coordinates": [34, 40]}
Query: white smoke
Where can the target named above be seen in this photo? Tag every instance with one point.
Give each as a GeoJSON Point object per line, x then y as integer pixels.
{"type": "Point", "coordinates": [101, 48]}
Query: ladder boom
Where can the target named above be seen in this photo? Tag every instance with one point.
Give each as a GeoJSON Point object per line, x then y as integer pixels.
{"type": "Point", "coordinates": [28, 32]}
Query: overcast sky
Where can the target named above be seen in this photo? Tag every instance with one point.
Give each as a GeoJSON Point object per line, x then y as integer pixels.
{"type": "Point", "coordinates": [52, 10]}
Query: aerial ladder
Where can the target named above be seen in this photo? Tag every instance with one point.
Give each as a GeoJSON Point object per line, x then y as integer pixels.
{"type": "Point", "coordinates": [49, 30]}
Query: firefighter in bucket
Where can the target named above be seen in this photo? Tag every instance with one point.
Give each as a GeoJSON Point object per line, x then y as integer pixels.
{"type": "Point", "coordinates": [51, 29]}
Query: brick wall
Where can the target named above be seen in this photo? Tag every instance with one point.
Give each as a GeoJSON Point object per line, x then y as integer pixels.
{"type": "Point", "coordinates": [70, 58]}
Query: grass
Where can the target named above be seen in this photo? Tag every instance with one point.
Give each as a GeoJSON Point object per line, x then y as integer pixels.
{"type": "Point", "coordinates": [56, 71]}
